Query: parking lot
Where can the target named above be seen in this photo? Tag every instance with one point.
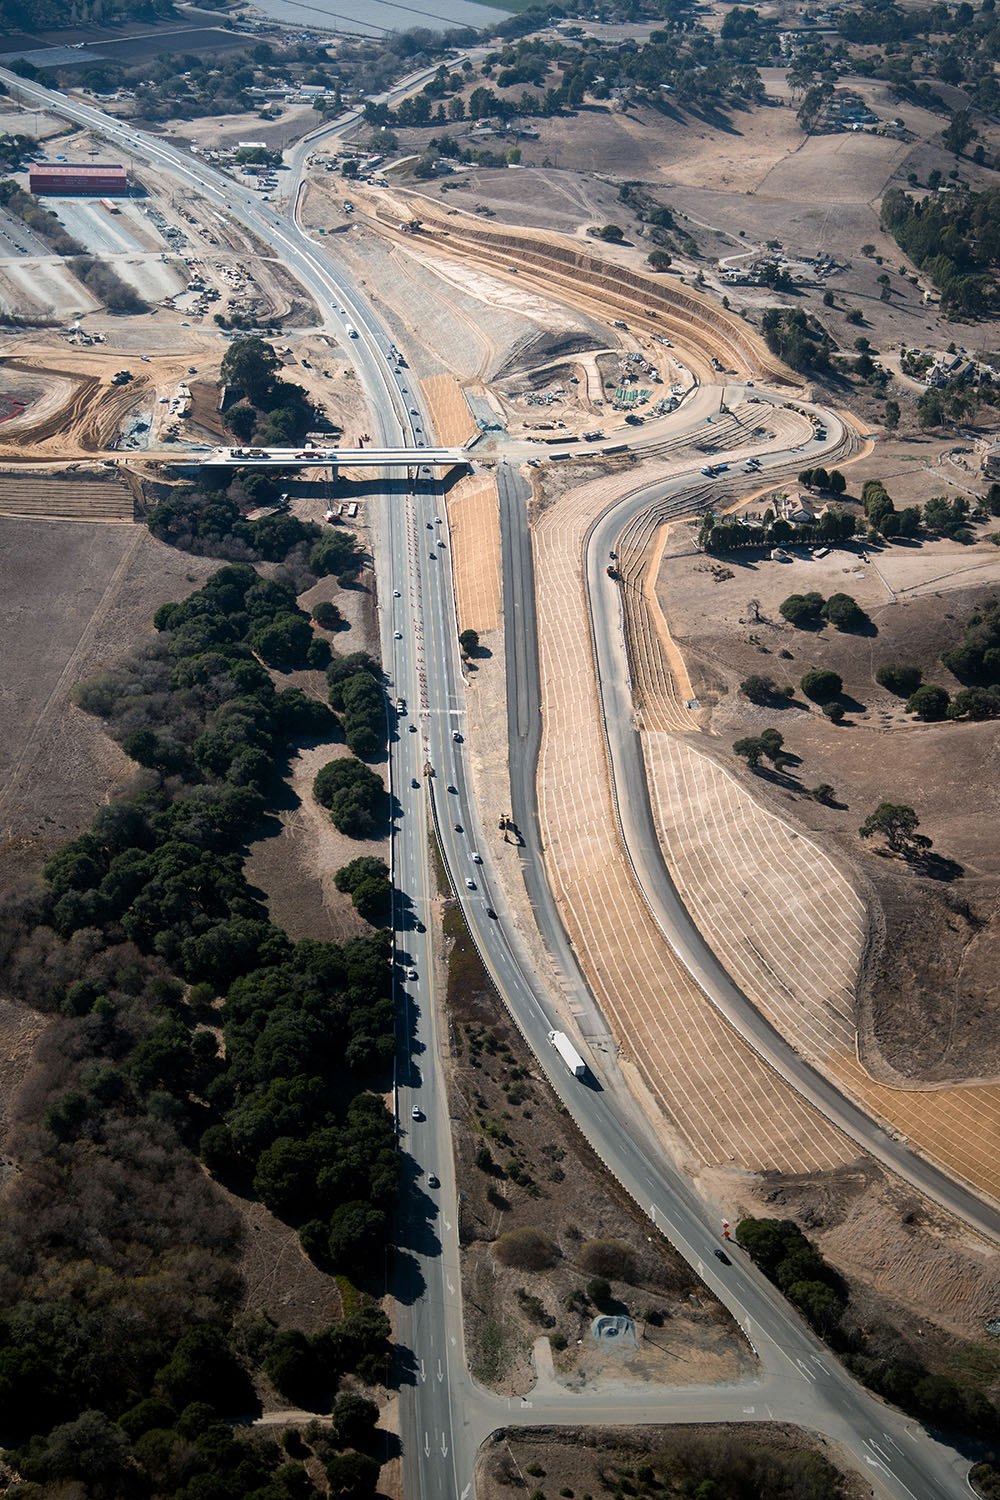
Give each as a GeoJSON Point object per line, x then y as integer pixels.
{"type": "Point", "coordinates": [96, 230]}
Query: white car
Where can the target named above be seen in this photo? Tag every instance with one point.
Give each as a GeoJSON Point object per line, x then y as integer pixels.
{"type": "Point", "coordinates": [477, 859]}
{"type": "Point", "coordinates": [411, 973]}
{"type": "Point", "coordinates": [470, 884]}
{"type": "Point", "coordinates": [415, 1112]}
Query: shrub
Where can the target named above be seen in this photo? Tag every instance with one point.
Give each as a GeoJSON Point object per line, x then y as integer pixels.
{"type": "Point", "coordinates": [821, 685]}
{"type": "Point", "coordinates": [607, 1258]}
{"type": "Point", "coordinates": [898, 678]}
{"type": "Point", "coordinates": [929, 702]}
{"type": "Point", "coordinates": [834, 711]}
{"type": "Point", "coordinates": [327, 615]}
{"type": "Point", "coordinates": [598, 1289]}
{"type": "Point", "coordinates": [844, 612]}
{"type": "Point", "coordinates": [761, 690]}
{"type": "Point", "coordinates": [527, 1249]}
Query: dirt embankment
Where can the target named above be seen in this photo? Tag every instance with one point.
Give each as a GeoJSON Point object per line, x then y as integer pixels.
{"type": "Point", "coordinates": [701, 327]}
{"type": "Point", "coordinates": [588, 1461]}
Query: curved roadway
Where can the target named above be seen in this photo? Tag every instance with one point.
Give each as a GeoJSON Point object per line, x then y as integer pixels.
{"type": "Point", "coordinates": [445, 1415]}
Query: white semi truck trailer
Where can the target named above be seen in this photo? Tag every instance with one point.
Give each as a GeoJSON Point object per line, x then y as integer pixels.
{"type": "Point", "coordinates": [568, 1053]}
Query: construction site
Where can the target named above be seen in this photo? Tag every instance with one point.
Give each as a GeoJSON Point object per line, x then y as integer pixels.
{"type": "Point", "coordinates": [522, 336]}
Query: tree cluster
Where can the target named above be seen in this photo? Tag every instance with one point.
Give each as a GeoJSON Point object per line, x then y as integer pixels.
{"type": "Point", "coordinates": [819, 479]}
{"type": "Point", "coordinates": [356, 692]}
{"type": "Point", "coordinates": [875, 1353]}
{"type": "Point", "coordinates": [204, 717]}
{"type": "Point", "coordinates": [797, 339]}
{"type": "Point", "coordinates": [354, 796]}
{"type": "Point", "coordinates": [955, 240]}
{"type": "Point", "coordinates": [366, 879]}
{"type": "Point", "coordinates": [283, 412]}
{"type": "Point", "coordinates": [107, 286]}
{"type": "Point", "coordinates": [120, 1288]}
{"type": "Point", "coordinates": [211, 522]}
{"type": "Point", "coordinates": [841, 610]}
{"type": "Point", "coordinates": [556, 76]}
{"type": "Point", "coordinates": [762, 690]}
{"type": "Point", "coordinates": [883, 517]}
{"type": "Point", "coordinates": [768, 743]}
{"type": "Point", "coordinates": [719, 534]}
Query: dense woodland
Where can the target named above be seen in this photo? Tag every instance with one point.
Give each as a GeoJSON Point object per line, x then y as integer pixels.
{"type": "Point", "coordinates": [185, 1025]}
{"type": "Point", "coordinates": [955, 239]}
{"type": "Point", "coordinates": [877, 1354]}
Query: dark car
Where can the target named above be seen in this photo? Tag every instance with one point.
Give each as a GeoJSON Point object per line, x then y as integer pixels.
{"type": "Point", "coordinates": [414, 781]}
{"type": "Point", "coordinates": [491, 913]}
{"type": "Point", "coordinates": [721, 1255]}
{"type": "Point", "coordinates": [453, 789]}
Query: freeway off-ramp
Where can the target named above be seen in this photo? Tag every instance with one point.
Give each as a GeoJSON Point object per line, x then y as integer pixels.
{"type": "Point", "coordinates": [445, 1415]}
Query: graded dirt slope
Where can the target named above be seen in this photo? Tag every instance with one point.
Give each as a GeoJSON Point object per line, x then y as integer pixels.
{"type": "Point", "coordinates": [722, 1102]}
{"type": "Point", "coordinates": [474, 528]}
{"type": "Point", "coordinates": [452, 421]}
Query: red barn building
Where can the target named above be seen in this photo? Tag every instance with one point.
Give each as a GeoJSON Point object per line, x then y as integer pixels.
{"type": "Point", "coordinates": [72, 179]}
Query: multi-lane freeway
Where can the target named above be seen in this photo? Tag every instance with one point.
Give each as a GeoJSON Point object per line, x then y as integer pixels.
{"type": "Point", "coordinates": [445, 1415]}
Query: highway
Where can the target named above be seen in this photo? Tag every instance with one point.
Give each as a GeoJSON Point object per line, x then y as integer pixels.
{"type": "Point", "coordinates": [445, 1415]}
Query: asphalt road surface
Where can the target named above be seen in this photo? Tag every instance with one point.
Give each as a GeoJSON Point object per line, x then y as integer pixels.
{"type": "Point", "coordinates": [445, 1415]}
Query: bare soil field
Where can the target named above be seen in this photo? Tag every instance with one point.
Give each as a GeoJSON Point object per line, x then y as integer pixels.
{"type": "Point", "coordinates": [452, 420]}
{"type": "Point", "coordinates": [538, 1171]}
{"type": "Point", "coordinates": [592, 1461]}
{"type": "Point", "coordinates": [43, 289]}
{"type": "Point", "coordinates": [96, 496]}
{"type": "Point", "coordinates": [474, 528]}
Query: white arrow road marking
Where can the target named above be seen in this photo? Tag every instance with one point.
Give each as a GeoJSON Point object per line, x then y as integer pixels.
{"type": "Point", "coordinates": [449, 1285]}
{"type": "Point", "coordinates": [444, 1447]}
{"type": "Point", "coordinates": [447, 1223]}
{"type": "Point", "coordinates": [422, 1374]}
{"type": "Point", "coordinates": [465, 1492]}
{"type": "Point", "coordinates": [427, 1446]}
{"type": "Point", "coordinates": [440, 1371]}
{"type": "Point", "coordinates": [454, 1341]}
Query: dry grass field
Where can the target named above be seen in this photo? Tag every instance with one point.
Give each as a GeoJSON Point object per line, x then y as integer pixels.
{"type": "Point", "coordinates": [76, 597]}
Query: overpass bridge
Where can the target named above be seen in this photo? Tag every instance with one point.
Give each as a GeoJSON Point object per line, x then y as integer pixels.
{"type": "Point", "coordinates": [335, 458]}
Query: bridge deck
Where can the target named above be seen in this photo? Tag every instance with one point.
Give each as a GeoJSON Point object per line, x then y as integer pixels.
{"type": "Point", "coordinates": [347, 458]}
